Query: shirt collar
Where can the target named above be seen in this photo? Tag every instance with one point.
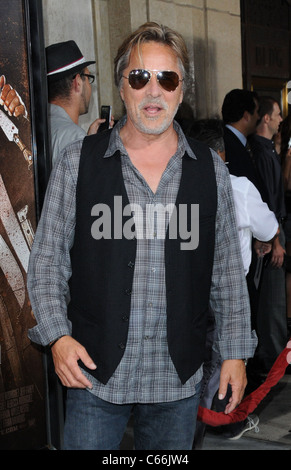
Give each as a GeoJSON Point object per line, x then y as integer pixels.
{"type": "Point", "coordinates": [264, 140]}
{"type": "Point", "coordinates": [239, 135]}
{"type": "Point", "coordinates": [115, 142]}
{"type": "Point", "coordinates": [58, 110]}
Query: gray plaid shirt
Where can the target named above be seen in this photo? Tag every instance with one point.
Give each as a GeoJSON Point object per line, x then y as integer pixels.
{"type": "Point", "coordinates": [146, 373]}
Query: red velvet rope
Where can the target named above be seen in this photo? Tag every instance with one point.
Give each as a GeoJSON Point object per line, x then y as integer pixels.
{"type": "Point", "coordinates": [250, 402]}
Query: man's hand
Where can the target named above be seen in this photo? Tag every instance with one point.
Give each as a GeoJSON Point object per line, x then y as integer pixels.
{"type": "Point", "coordinates": [278, 253]}
{"type": "Point", "coordinates": [96, 124]}
{"type": "Point", "coordinates": [262, 248]}
{"type": "Point", "coordinates": [66, 352]}
{"type": "Point", "coordinates": [11, 100]}
{"type": "Point", "coordinates": [233, 372]}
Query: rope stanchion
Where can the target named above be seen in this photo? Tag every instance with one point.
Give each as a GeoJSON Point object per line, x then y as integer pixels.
{"type": "Point", "coordinates": [249, 403]}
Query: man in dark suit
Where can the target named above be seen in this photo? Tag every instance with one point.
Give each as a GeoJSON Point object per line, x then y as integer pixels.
{"type": "Point", "coordinates": [240, 116]}
{"type": "Point", "coordinates": [271, 314]}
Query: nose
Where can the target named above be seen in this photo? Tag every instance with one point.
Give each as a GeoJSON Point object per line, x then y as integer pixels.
{"type": "Point", "coordinates": [153, 88]}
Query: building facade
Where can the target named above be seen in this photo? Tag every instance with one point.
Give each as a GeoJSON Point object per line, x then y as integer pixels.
{"type": "Point", "coordinates": [231, 44]}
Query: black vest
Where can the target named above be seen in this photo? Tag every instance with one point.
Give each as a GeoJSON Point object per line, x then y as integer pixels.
{"type": "Point", "coordinates": [102, 270]}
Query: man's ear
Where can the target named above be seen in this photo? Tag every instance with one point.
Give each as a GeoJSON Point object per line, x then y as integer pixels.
{"type": "Point", "coordinates": [267, 118]}
{"type": "Point", "coordinates": [246, 116]}
{"type": "Point", "coordinates": [77, 82]}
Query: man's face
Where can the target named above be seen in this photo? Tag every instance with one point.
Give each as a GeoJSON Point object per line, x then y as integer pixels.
{"type": "Point", "coordinates": [275, 119]}
{"type": "Point", "coordinates": [151, 109]}
{"type": "Point", "coordinates": [254, 119]}
{"type": "Point", "coordinates": [85, 94]}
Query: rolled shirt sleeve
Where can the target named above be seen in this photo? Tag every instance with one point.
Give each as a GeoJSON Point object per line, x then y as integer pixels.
{"type": "Point", "coordinates": [49, 265]}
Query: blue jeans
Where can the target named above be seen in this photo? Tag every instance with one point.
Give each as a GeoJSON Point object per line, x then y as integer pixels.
{"type": "Point", "coordinates": [94, 424]}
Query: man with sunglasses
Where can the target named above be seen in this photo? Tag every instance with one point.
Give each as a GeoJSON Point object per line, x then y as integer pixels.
{"type": "Point", "coordinates": [69, 95]}
{"type": "Point", "coordinates": [132, 337]}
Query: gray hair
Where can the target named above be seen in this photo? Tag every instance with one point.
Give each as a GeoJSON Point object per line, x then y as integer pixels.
{"type": "Point", "coordinates": [151, 32]}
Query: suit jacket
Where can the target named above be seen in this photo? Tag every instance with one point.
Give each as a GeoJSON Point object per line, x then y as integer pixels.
{"type": "Point", "coordinates": [240, 162]}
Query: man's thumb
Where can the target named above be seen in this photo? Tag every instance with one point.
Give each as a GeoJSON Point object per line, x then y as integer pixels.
{"type": "Point", "coordinates": [87, 360]}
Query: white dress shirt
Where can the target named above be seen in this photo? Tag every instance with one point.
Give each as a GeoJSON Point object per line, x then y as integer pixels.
{"type": "Point", "coordinates": [254, 219]}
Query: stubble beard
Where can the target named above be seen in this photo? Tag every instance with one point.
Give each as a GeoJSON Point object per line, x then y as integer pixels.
{"type": "Point", "coordinates": [141, 125]}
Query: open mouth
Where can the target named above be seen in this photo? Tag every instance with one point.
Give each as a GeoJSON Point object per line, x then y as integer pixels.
{"type": "Point", "coordinates": [152, 109]}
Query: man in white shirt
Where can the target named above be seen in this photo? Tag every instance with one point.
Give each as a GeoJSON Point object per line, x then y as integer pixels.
{"type": "Point", "coordinates": [254, 219]}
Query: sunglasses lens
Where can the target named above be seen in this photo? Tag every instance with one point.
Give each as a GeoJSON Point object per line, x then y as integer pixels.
{"type": "Point", "coordinates": [168, 80]}
{"type": "Point", "coordinates": [138, 78]}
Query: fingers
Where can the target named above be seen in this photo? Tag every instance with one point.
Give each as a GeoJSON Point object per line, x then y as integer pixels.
{"type": "Point", "coordinates": [10, 99]}
{"type": "Point", "coordinates": [232, 373]}
{"type": "Point", "coordinates": [72, 377]}
{"type": "Point", "coordinates": [234, 401]}
{"type": "Point", "coordinates": [95, 126]}
{"type": "Point", "coordinates": [222, 389]}
{"type": "Point", "coordinates": [277, 261]}
{"type": "Point", "coordinates": [66, 353]}
{"type": "Point", "coordinates": [7, 95]}
{"type": "Point", "coordinates": [2, 81]}
{"type": "Point", "coordinates": [278, 253]}
{"type": "Point", "coordinates": [263, 248]}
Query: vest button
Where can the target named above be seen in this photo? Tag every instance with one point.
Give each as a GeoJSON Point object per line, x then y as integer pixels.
{"type": "Point", "coordinates": [128, 291]}
{"type": "Point", "coordinates": [130, 264]}
{"type": "Point", "coordinates": [121, 346]}
{"type": "Point", "coordinates": [125, 318]}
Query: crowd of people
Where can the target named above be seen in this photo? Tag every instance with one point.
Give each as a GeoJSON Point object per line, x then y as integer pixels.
{"type": "Point", "coordinates": [144, 325]}
{"type": "Point", "coordinates": [257, 146]}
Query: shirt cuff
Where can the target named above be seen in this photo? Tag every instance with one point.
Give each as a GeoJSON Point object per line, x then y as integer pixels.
{"type": "Point", "coordinates": [243, 348]}
{"type": "Point", "coordinates": [44, 336]}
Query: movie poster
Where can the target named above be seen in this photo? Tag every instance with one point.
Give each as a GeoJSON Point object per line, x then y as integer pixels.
{"type": "Point", "coordinates": [22, 394]}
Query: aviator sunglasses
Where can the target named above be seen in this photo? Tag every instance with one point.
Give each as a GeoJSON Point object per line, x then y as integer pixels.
{"type": "Point", "coordinates": [167, 79]}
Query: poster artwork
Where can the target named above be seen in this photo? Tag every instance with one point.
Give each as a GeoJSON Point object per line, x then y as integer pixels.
{"type": "Point", "coordinates": [22, 416]}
